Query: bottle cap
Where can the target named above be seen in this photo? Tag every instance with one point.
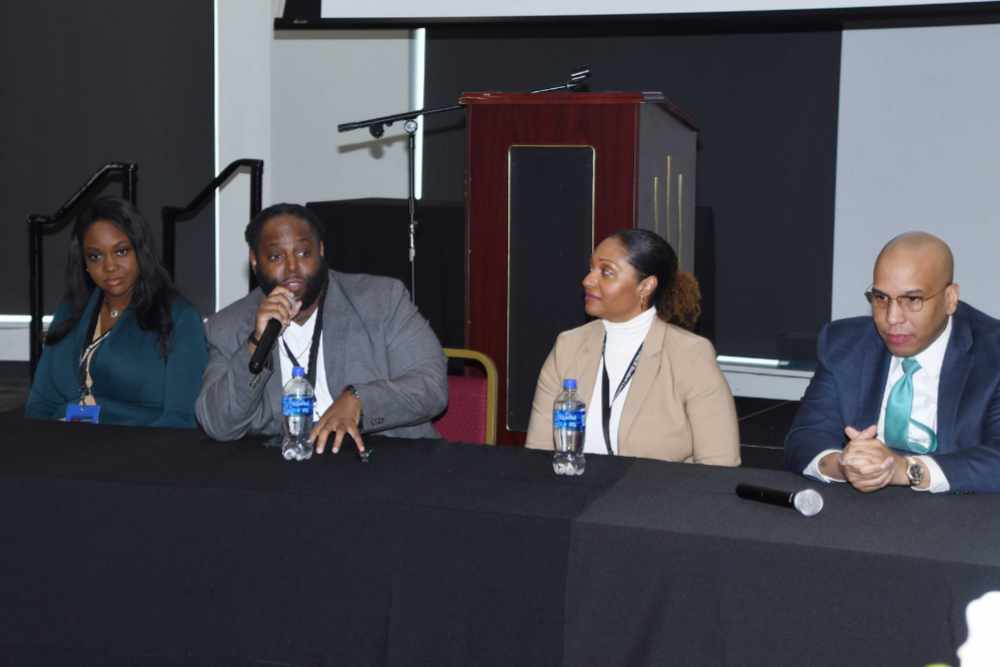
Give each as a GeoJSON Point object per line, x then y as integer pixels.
{"type": "Point", "coordinates": [298, 372]}
{"type": "Point", "coordinates": [569, 383]}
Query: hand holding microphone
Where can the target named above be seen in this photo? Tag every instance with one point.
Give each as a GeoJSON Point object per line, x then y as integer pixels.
{"type": "Point", "coordinates": [275, 312]}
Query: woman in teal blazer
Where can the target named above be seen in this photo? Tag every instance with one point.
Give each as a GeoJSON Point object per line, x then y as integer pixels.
{"type": "Point", "coordinates": [124, 347]}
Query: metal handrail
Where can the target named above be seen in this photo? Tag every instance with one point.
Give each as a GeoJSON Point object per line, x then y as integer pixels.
{"type": "Point", "coordinates": [171, 214]}
{"type": "Point", "coordinates": [40, 225]}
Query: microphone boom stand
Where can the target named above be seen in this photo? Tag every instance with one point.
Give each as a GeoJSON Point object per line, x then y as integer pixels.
{"type": "Point", "coordinates": [376, 126]}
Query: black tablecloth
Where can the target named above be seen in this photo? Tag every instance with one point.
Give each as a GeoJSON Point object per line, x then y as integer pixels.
{"type": "Point", "coordinates": [149, 546]}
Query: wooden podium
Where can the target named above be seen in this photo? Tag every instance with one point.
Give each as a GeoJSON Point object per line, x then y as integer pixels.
{"type": "Point", "coordinates": [547, 177]}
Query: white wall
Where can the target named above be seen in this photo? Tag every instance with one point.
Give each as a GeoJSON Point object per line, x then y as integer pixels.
{"type": "Point", "coordinates": [280, 97]}
{"type": "Point", "coordinates": [244, 35]}
{"type": "Point", "coordinates": [323, 78]}
{"type": "Point", "coordinates": [919, 148]}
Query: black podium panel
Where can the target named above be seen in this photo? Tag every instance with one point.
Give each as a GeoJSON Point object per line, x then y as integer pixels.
{"type": "Point", "coordinates": [551, 235]}
{"type": "Point", "coordinates": [372, 236]}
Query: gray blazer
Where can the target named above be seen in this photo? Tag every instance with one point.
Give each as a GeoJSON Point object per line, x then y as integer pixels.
{"type": "Point", "coordinates": [373, 338]}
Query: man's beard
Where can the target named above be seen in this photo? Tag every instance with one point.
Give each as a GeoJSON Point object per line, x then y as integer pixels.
{"type": "Point", "coordinates": [314, 284]}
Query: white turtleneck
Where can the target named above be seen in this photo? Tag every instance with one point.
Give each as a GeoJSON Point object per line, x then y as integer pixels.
{"type": "Point", "coordinates": [622, 341]}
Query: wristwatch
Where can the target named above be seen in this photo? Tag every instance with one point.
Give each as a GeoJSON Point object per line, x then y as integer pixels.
{"type": "Point", "coordinates": [354, 392]}
{"type": "Point", "coordinates": [914, 471]}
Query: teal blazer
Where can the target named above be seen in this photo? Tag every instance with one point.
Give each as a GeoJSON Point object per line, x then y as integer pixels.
{"type": "Point", "coordinates": [133, 384]}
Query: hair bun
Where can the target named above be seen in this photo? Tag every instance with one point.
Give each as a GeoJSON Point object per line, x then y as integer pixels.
{"type": "Point", "coordinates": [685, 304]}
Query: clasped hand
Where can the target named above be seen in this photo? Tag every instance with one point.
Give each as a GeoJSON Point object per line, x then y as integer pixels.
{"type": "Point", "coordinates": [869, 465]}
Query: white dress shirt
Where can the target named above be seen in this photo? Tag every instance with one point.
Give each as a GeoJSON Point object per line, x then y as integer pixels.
{"type": "Point", "coordinates": [925, 401]}
{"type": "Point", "coordinates": [622, 341]}
{"type": "Point", "coordinates": [299, 340]}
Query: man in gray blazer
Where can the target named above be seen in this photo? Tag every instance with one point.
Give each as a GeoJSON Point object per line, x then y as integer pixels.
{"type": "Point", "coordinates": [374, 361]}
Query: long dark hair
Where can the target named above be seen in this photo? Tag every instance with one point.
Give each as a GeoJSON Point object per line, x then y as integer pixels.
{"type": "Point", "coordinates": [677, 296]}
{"type": "Point", "coordinates": [154, 291]}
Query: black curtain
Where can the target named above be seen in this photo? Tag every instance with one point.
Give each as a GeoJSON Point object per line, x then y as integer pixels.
{"type": "Point", "coordinates": [93, 82]}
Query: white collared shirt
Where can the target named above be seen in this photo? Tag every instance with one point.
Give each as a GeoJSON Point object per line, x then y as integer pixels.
{"type": "Point", "coordinates": [299, 340]}
{"type": "Point", "coordinates": [926, 382]}
{"type": "Point", "coordinates": [622, 341]}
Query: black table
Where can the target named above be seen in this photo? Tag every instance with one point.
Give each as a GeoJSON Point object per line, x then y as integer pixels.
{"type": "Point", "coordinates": [152, 546]}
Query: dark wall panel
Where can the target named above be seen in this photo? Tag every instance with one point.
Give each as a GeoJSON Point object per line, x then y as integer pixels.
{"type": "Point", "coordinates": [91, 82]}
{"type": "Point", "coordinates": [373, 236]}
{"type": "Point", "coordinates": [766, 103]}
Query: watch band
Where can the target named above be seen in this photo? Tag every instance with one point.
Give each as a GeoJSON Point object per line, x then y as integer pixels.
{"type": "Point", "coordinates": [361, 416]}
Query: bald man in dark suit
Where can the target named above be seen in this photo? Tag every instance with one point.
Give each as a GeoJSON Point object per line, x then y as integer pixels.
{"type": "Point", "coordinates": [911, 395]}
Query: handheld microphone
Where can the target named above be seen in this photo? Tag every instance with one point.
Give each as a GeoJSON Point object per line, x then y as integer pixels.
{"type": "Point", "coordinates": [807, 502]}
{"type": "Point", "coordinates": [264, 345]}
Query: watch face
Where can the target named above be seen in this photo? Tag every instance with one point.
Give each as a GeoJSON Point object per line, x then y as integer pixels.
{"type": "Point", "coordinates": [915, 473]}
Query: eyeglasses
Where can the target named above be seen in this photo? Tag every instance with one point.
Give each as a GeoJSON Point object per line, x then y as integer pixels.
{"type": "Point", "coordinates": [912, 303]}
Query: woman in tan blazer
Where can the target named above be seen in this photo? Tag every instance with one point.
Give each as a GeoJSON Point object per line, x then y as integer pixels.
{"type": "Point", "coordinates": [667, 397]}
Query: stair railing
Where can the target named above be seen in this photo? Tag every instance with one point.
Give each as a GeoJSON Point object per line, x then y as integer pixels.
{"type": "Point", "coordinates": [173, 214]}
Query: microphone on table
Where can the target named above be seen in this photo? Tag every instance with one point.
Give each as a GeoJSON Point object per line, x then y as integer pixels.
{"type": "Point", "coordinates": [807, 502]}
{"type": "Point", "coordinates": [264, 345]}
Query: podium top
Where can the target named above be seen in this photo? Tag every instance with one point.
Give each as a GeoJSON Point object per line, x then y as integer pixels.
{"type": "Point", "coordinates": [607, 98]}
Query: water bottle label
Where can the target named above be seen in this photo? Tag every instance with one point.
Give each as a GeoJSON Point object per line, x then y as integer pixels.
{"type": "Point", "coordinates": [295, 405]}
{"type": "Point", "coordinates": [571, 419]}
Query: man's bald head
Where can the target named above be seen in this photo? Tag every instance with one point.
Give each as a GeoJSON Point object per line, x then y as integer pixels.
{"type": "Point", "coordinates": [913, 292]}
{"type": "Point", "coordinates": [921, 247]}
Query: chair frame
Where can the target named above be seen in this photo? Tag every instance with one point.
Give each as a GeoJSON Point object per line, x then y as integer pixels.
{"type": "Point", "coordinates": [491, 386]}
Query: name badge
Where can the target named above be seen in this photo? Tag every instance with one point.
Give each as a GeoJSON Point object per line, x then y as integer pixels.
{"type": "Point", "coordinates": [83, 413]}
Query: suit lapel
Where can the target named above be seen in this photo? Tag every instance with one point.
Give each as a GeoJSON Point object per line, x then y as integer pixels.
{"type": "Point", "coordinates": [274, 387]}
{"type": "Point", "coordinates": [590, 359]}
{"type": "Point", "coordinates": [645, 374]}
{"type": "Point", "coordinates": [872, 385]}
{"type": "Point", "coordinates": [335, 335]}
{"type": "Point", "coordinates": [954, 374]}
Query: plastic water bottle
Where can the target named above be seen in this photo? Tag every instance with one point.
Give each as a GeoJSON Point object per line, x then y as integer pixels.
{"type": "Point", "coordinates": [569, 419]}
{"type": "Point", "coordinates": [297, 403]}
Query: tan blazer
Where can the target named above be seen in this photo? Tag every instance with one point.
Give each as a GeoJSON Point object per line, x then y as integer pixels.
{"type": "Point", "coordinates": [678, 408]}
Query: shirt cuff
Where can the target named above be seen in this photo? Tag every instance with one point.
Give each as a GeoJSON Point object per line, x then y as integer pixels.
{"type": "Point", "coordinates": [812, 470]}
{"type": "Point", "coordinates": [939, 482]}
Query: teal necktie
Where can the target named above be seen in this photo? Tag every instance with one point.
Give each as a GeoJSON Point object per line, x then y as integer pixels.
{"type": "Point", "coordinates": [897, 414]}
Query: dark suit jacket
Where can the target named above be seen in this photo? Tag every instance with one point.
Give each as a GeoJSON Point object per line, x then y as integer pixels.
{"type": "Point", "coordinates": [373, 338]}
{"type": "Point", "coordinates": [847, 389]}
